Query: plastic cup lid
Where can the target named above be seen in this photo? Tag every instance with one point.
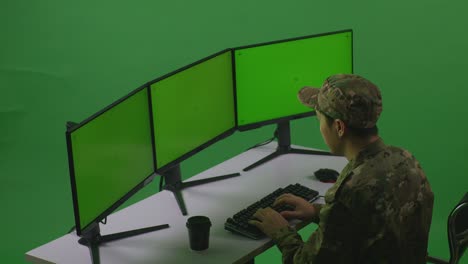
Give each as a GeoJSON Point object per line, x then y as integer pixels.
{"type": "Point", "coordinates": [198, 221]}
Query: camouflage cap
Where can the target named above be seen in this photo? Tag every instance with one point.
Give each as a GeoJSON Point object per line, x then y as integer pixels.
{"type": "Point", "coordinates": [348, 97]}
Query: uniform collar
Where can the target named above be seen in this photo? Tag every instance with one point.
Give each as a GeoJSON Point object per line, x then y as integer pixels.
{"type": "Point", "coordinates": [368, 152]}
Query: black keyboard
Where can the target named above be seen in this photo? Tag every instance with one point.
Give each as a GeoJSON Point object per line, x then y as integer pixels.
{"type": "Point", "coordinates": [239, 222]}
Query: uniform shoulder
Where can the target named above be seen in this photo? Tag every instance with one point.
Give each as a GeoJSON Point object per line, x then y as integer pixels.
{"type": "Point", "coordinates": [381, 170]}
{"type": "Point", "coordinates": [393, 155]}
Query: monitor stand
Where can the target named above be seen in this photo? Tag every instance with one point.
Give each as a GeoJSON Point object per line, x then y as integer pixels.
{"type": "Point", "coordinates": [173, 178]}
{"type": "Point", "coordinates": [93, 238]}
{"type": "Point", "coordinates": [284, 147]}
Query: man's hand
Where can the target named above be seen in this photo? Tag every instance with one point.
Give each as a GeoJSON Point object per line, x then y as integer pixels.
{"type": "Point", "coordinates": [303, 209]}
{"type": "Point", "coordinates": [268, 220]}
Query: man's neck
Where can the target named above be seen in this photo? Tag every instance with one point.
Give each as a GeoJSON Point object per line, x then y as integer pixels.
{"type": "Point", "coordinates": [355, 145]}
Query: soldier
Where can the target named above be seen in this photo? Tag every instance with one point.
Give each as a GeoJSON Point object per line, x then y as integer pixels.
{"type": "Point", "coordinates": [380, 208]}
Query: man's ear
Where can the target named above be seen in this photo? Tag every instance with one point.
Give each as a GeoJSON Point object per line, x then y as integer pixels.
{"type": "Point", "coordinates": [340, 127]}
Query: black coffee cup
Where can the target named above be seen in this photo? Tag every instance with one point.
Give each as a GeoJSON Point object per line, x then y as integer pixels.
{"type": "Point", "coordinates": [199, 232]}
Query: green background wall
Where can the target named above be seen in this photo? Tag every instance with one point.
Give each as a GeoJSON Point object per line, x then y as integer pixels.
{"type": "Point", "coordinates": [63, 60]}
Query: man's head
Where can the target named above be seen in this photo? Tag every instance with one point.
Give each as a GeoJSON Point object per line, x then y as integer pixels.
{"type": "Point", "coordinates": [348, 104]}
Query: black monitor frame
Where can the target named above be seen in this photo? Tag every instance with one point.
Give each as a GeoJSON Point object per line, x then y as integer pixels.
{"type": "Point", "coordinates": [171, 171]}
{"type": "Point", "coordinates": [283, 133]}
{"type": "Point", "coordinates": [208, 143]}
{"type": "Point", "coordinates": [71, 127]}
{"type": "Point", "coordinates": [290, 117]}
{"type": "Point", "coordinates": [90, 234]}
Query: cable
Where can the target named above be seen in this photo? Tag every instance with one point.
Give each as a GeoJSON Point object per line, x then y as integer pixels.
{"type": "Point", "coordinates": [161, 181]}
{"type": "Point", "coordinates": [275, 136]}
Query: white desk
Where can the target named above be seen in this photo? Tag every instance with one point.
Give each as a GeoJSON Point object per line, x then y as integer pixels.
{"type": "Point", "coordinates": [217, 200]}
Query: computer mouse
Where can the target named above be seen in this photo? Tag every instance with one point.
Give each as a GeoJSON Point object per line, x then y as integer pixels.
{"type": "Point", "coordinates": [326, 175]}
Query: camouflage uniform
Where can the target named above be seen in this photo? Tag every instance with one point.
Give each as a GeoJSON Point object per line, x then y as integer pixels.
{"type": "Point", "coordinates": [379, 210]}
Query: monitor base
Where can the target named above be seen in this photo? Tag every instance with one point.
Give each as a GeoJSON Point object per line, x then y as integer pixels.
{"type": "Point", "coordinates": [93, 238]}
{"type": "Point", "coordinates": [175, 184]}
{"type": "Point", "coordinates": [284, 147]}
{"type": "Point", "coordinates": [280, 152]}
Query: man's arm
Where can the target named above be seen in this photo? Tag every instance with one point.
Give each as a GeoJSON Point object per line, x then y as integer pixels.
{"type": "Point", "coordinates": [293, 249]}
{"type": "Point", "coordinates": [332, 242]}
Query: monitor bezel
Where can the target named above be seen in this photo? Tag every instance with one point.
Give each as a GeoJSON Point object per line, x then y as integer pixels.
{"type": "Point", "coordinates": [259, 124]}
{"type": "Point", "coordinates": [225, 134]}
{"type": "Point", "coordinates": [80, 230]}
{"type": "Point", "coordinates": [106, 108]}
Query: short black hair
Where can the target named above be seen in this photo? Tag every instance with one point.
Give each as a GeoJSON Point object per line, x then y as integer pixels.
{"type": "Point", "coordinates": [357, 132]}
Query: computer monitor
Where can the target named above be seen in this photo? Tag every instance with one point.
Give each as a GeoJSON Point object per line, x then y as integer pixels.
{"type": "Point", "coordinates": [269, 75]}
{"type": "Point", "coordinates": [192, 108]}
{"type": "Point", "coordinates": [110, 158]}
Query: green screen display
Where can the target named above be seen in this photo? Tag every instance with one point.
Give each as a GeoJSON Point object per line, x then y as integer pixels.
{"type": "Point", "coordinates": [192, 107]}
{"type": "Point", "coordinates": [268, 77]}
{"type": "Point", "coordinates": [112, 154]}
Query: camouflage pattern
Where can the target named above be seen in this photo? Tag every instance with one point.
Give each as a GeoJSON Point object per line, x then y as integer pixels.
{"type": "Point", "coordinates": [348, 97]}
{"type": "Point", "coordinates": [379, 211]}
